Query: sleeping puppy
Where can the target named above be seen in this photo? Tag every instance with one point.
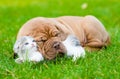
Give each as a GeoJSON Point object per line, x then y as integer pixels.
{"type": "Point", "coordinates": [50, 34]}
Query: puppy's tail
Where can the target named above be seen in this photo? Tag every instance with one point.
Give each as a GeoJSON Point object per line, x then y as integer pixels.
{"type": "Point", "coordinates": [107, 42]}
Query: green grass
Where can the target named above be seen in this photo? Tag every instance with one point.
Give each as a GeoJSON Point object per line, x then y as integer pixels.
{"type": "Point", "coordinates": [104, 64]}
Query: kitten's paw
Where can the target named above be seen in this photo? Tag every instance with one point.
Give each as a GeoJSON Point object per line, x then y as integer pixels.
{"type": "Point", "coordinates": [77, 55]}
{"type": "Point", "coordinates": [37, 58]}
{"type": "Point", "coordinates": [73, 47]}
{"type": "Point", "coordinates": [76, 52]}
{"type": "Point", "coordinates": [19, 60]}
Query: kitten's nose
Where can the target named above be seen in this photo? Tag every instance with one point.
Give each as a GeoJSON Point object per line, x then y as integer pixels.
{"type": "Point", "coordinates": [33, 45]}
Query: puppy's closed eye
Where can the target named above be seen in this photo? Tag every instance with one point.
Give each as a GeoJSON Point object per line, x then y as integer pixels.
{"type": "Point", "coordinates": [57, 34]}
{"type": "Point", "coordinates": [41, 40]}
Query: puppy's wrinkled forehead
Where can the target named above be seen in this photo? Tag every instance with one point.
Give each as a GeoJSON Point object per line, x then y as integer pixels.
{"type": "Point", "coordinates": [45, 32]}
{"type": "Point", "coordinates": [48, 29]}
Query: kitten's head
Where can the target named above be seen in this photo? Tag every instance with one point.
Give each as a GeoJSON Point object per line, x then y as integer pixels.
{"type": "Point", "coordinates": [25, 43]}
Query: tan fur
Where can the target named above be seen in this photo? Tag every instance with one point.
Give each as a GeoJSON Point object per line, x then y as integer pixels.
{"type": "Point", "coordinates": [47, 31]}
{"type": "Point", "coordinates": [88, 29]}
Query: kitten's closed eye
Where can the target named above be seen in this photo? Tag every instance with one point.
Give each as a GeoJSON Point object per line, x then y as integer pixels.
{"type": "Point", "coordinates": [33, 41]}
{"type": "Point", "coordinates": [26, 43]}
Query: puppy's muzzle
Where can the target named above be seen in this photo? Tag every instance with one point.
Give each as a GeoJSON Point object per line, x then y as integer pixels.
{"type": "Point", "coordinates": [56, 45]}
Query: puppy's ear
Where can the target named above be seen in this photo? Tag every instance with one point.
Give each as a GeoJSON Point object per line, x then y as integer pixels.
{"type": "Point", "coordinates": [62, 27]}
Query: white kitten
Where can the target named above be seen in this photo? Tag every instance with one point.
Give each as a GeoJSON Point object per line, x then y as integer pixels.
{"type": "Point", "coordinates": [26, 49]}
{"type": "Point", "coordinates": [73, 47]}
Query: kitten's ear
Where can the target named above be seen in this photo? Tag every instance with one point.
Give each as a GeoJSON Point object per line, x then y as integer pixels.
{"type": "Point", "coordinates": [16, 46]}
{"type": "Point", "coordinates": [18, 43]}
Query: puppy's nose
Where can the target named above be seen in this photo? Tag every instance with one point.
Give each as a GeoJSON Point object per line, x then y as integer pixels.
{"type": "Point", "coordinates": [56, 45]}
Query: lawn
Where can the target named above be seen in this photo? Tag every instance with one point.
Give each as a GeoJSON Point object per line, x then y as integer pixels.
{"type": "Point", "coordinates": [104, 64]}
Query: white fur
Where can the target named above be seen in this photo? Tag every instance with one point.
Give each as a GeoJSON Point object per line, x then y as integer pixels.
{"type": "Point", "coordinates": [27, 52]}
{"type": "Point", "coordinates": [73, 47]}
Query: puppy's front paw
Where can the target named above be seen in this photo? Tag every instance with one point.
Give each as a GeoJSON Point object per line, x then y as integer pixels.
{"type": "Point", "coordinates": [19, 60]}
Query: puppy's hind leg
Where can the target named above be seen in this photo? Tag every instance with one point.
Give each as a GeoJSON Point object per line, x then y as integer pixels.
{"type": "Point", "coordinates": [94, 44]}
